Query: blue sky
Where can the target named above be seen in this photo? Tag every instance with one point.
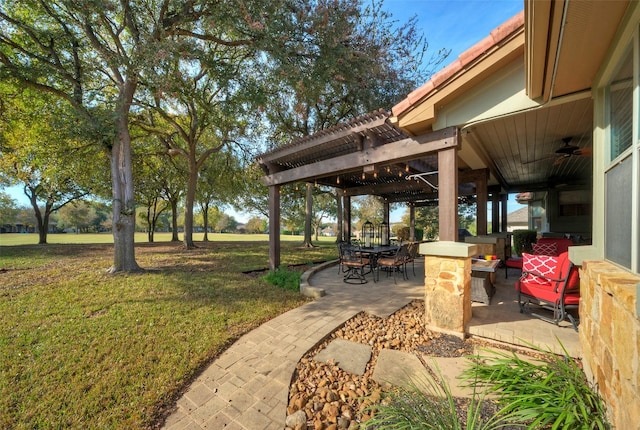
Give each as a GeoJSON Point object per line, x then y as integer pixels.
{"type": "Point", "coordinates": [450, 24]}
{"type": "Point", "coordinates": [455, 24]}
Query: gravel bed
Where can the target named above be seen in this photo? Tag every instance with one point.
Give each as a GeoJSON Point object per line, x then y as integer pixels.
{"type": "Point", "coordinates": [324, 397]}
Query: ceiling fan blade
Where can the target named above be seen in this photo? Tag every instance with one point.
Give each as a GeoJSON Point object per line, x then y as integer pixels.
{"type": "Point", "coordinates": [584, 152]}
{"type": "Point", "coordinates": [538, 159]}
{"type": "Point", "coordinates": [561, 160]}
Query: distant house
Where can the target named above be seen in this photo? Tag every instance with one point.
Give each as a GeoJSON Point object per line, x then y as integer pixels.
{"type": "Point", "coordinates": [518, 220]}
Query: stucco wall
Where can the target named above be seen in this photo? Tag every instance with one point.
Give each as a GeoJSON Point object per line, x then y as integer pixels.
{"type": "Point", "coordinates": [610, 338]}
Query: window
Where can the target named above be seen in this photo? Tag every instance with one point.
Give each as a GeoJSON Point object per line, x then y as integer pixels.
{"type": "Point", "coordinates": [622, 191]}
{"type": "Point", "coordinates": [621, 105]}
{"type": "Point", "coordinates": [574, 203]}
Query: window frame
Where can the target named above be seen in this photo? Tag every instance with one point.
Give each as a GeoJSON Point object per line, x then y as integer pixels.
{"type": "Point", "coordinates": [633, 151]}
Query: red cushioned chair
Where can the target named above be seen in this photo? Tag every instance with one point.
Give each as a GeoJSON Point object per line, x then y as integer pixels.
{"type": "Point", "coordinates": [543, 246]}
{"type": "Point", "coordinates": [553, 283]}
{"type": "Point", "coordinates": [562, 244]}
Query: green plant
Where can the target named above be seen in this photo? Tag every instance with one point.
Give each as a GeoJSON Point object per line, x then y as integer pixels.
{"type": "Point", "coordinates": [522, 240]}
{"type": "Point", "coordinates": [552, 392]}
{"type": "Point", "coordinates": [419, 233]}
{"type": "Point", "coordinates": [284, 278]}
{"type": "Point", "coordinates": [430, 404]}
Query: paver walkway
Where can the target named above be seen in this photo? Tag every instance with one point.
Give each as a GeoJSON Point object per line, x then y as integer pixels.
{"type": "Point", "coordinates": [247, 386]}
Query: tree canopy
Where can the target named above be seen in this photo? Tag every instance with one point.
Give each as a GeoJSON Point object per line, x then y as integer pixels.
{"type": "Point", "coordinates": [204, 78]}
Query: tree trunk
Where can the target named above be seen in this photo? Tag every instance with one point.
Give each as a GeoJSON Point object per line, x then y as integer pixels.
{"type": "Point", "coordinates": [308, 215]}
{"type": "Point", "coordinates": [205, 218]}
{"type": "Point", "coordinates": [174, 220]}
{"type": "Point", "coordinates": [149, 225]}
{"type": "Point", "coordinates": [42, 233]}
{"type": "Point", "coordinates": [44, 229]}
{"type": "Point", "coordinates": [124, 209]}
{"type": "Point", "coordinates": [188, 205]}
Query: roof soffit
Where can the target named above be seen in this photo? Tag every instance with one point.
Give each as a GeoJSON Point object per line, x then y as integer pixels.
{"type": "Point", "coordinates": [418, 112]}
{"type": "Point", "coordinates": [583, 38]}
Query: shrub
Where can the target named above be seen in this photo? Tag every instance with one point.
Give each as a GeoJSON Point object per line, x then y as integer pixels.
{"type": "Point", "coordinates": [284, 278]}
{"type": "Point", "coordinates": [552, 392]}
{"type": "Point", "coordinates": [403, 233]}
{"type": "Point", "coordinates": [522, 240]}
{"type": "Point", "coordinates": [429, 404]}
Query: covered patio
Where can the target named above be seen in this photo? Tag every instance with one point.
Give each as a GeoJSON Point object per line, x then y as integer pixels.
{"type": "Point", "coordinates": [547, 104]}
{"type": "Point", "coordinates": [471, 133]}
{"type": "Point", "coordinates": [500, 320]}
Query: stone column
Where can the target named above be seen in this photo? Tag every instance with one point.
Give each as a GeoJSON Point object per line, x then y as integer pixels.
{"type": "Point", "coordinates": [447, 273]}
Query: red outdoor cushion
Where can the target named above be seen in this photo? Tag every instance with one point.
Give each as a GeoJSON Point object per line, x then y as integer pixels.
{"type": "Point", "coordinates": [545, 249]}
{"type": "Point", "coordinates": [544, 265]}
{"type": "Point", "coordinates": [546, 292]}
{"type": "Point", "coordinates": [514, 262]}
{"type": "Point", "coordinates": [554, 268]}
{"type": "Point", "coordinates": [562, 244]}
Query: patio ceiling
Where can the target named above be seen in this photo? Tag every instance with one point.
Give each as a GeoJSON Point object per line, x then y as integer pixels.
{"type": "Point", "coordinates": [516, 153]}
{"type": "Point", "coordinates": [520, 150]}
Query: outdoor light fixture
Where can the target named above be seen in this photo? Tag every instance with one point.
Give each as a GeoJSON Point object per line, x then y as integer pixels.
{"type": "Point", "coordinates": [367, 234]}
{"type": "Point", "coordinates": [383, 233]}
{"type": "Point", "coordinates": [420, 177]}
{"type": "Point", "coordinates": [338, 180]}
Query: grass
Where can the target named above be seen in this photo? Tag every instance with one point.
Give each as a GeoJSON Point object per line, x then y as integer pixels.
{"type": "Point", "coordinates": [9, 239]}
{"type": "Point", "coordinates": [83, 349]}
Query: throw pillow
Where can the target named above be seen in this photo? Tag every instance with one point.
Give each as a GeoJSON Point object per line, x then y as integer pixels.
{"type": "Point", "coordinates": [541, 264]}
{"type": "Point", "coordinates": [545, 249]}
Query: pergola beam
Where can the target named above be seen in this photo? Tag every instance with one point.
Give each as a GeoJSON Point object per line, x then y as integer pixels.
{"type": "Point", "coordinates": [343, 132]}
{"type": "Point", "coordinates": [381, 189]}
{"type": "Point", "coordinates": [398, 151]}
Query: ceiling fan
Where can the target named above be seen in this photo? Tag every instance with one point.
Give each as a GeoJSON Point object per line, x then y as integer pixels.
{"type": "Point", "coordinates": [564, 152]}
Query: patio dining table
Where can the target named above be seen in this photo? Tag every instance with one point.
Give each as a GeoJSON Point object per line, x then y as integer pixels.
{"type": "Point", "coordinates": [375, 252]}
{"type": "Point", "coordinates": [379, 249]}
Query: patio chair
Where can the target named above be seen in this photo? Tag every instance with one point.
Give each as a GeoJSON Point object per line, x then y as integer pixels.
{"type": "Point", "coordinates": [553, 283]}
{"type": "Point", "coordinates": [353, 263]}
{"type": "Point", "coordinates": [543, 246]}
{"type": "Point", "coordinates": [397, 263]}
{"type": "Point", "coordinates": [412, 254]}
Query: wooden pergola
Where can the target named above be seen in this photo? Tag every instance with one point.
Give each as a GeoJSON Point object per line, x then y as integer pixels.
{"type": "Point", "coordinates": [368, 155]}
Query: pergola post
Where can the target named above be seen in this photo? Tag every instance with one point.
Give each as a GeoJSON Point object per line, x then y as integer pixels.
{"type": "Point", "coordinates": [482, 196]}
{"type": "Point", "coordinates": [448, 194]}
{"type": "Point", "coordinates": [385, 217]}
{"type": "Point", "coordinates": [346, 218]}
{"type": "Point", "coordinates": [504, 199]}
{"type": "Point", "coordinates": [412, 222]}
{"type": "Point", "coordinates": [495, 212]}
{"type": "Point", "coordinates": [274, 227]}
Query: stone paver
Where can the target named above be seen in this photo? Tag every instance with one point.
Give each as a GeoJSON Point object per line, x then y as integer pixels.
{"type": "Point", "coordinates": [246, 387]}
{"type": "Point", "coordinates": [349, 356]}
{"type": "Point", "coordinates": [400, 369]}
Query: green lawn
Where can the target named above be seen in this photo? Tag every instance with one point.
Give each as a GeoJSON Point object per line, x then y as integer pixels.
{"type": "Point", "coordinates": [83, 349]}
{"type": "Point", "coordinates": [32, 238]}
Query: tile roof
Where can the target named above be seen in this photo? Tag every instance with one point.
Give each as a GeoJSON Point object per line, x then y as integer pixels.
{"type": "Point", "coordinates": [500, 33]}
